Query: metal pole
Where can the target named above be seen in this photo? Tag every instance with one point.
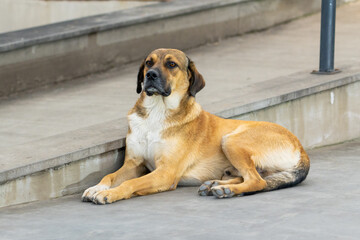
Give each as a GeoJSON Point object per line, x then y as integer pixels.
{"type": "Point", "coordinates": [327, 37]}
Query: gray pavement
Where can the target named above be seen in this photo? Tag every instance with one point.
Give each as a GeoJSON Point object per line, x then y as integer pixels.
{"type": "Point", "coordinates": [325, 206]}
{"type": "Point", "coordinates": [231, 64]}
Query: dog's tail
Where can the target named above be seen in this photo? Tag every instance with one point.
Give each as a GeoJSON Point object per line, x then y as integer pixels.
{"type": "Point", "coordinates": [291, 177]}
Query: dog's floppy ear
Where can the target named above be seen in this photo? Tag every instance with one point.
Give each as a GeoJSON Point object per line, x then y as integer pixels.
{"type": "Point", "coordinates": [196, 79]}
{"type": "Point", "coordinates": [140, 77]}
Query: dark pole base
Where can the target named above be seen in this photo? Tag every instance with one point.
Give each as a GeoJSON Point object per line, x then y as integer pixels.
{"type": "Point", "coordinates": [326, 73]}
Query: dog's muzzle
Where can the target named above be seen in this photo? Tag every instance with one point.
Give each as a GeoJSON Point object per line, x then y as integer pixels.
{"type": "Point", "coordinates": [155, 84]}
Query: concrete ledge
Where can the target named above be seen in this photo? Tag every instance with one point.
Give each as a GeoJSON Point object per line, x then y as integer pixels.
{"type": "Point", "coordinates": [60, 181]}
{"type": "Point", "coordinates": [104, 22]}
{"type": "Point", "coordinates": [59, 52]}
{"type": "Point", "coordinates": [279, 90]}
{"type": "Point", "coordinates": [319, 119]}
{"type": "Point", "coordinates": [62, 149]}
{"type": "Point", "coordinates": [319, 109]}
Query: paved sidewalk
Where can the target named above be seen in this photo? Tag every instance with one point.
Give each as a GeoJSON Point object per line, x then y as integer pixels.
{"type": "Point", "coordinates": [325, 206]}
{"type": "Point", "coordinates": [228, 65]}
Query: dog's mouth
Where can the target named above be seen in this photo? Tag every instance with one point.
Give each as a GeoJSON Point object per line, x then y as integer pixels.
{"type": "Point", "coordinates": [153, 90]}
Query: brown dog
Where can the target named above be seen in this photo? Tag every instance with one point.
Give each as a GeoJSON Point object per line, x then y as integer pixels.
{"type": "Point", "coordinates": [170, 135]}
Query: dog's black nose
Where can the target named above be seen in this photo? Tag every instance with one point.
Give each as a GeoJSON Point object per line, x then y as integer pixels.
{"type": "Point", "coordinates": [152, 75]}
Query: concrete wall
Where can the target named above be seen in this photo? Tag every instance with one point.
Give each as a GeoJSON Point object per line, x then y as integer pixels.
{"type": "Point", "coordinates": [48, 62]}
{"type": "Point", "coordinates": [63, 180]}
{"type": "Point", "coordinates": [321, 119]}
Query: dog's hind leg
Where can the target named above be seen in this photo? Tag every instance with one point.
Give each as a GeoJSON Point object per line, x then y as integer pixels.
{"type": "Point", "coordinates": [240, 157]}
{"type": "Point", "coordinates": [205, 188]}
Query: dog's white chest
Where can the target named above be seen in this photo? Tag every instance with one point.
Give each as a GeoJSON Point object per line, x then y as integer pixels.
{"type": "Point", "coordinates": [145, 137]}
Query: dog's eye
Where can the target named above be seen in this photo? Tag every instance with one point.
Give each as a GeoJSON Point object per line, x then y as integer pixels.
{"type": "Point", "coordinates": [149, 63]}
{"type": "Point", "coordinates": [171, 64]}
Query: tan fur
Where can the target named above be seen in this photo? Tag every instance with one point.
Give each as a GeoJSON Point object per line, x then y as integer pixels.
{"type": "Point", "coordinates": [187, 145]}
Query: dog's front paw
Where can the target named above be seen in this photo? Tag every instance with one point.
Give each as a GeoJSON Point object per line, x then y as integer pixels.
{"type": "Point", "coordinates": [102, 197]}
{"type": "Point", "coordinates": [108, 196]}
{"type": "Point", "coordinates": [205, 188]}
{"type": "Point", "coordinates": [89, 193]}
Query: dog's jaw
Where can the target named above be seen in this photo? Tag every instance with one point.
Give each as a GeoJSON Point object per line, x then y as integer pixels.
{"type": "Point", "coordinates": [154, 90]}
{"type": "Point", "coordinates": [151, 91]}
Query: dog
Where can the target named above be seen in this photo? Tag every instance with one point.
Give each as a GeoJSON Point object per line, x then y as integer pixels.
{"type": "Point", "coordinates": [171, 141]}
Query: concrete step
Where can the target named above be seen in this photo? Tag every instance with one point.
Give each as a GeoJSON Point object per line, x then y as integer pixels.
{"type": "Point", "coordinates": [64, 51]}
{"type": "Point", "coordinates": [40, 13]}
{"type": "Point", "coordinates": [63, 140]}
{"type": "Point", "coordinates": [324, 206]}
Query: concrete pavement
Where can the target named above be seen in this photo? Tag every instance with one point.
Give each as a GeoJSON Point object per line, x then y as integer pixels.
{"type": "Point", "coordinates": [325, 206]}
{"type": "Point", "coordinates": [231, 64]}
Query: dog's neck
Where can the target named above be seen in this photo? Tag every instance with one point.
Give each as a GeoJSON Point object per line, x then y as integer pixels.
{"type": "Point", "coordinates": [182, 107]}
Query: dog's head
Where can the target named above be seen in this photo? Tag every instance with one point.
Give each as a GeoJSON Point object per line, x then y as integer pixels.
{"type": "Point", "coordinates": [165, 71]}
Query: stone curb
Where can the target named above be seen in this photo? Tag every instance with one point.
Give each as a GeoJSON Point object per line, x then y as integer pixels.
{"type": "Point", "coordinates": [103, 22]}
